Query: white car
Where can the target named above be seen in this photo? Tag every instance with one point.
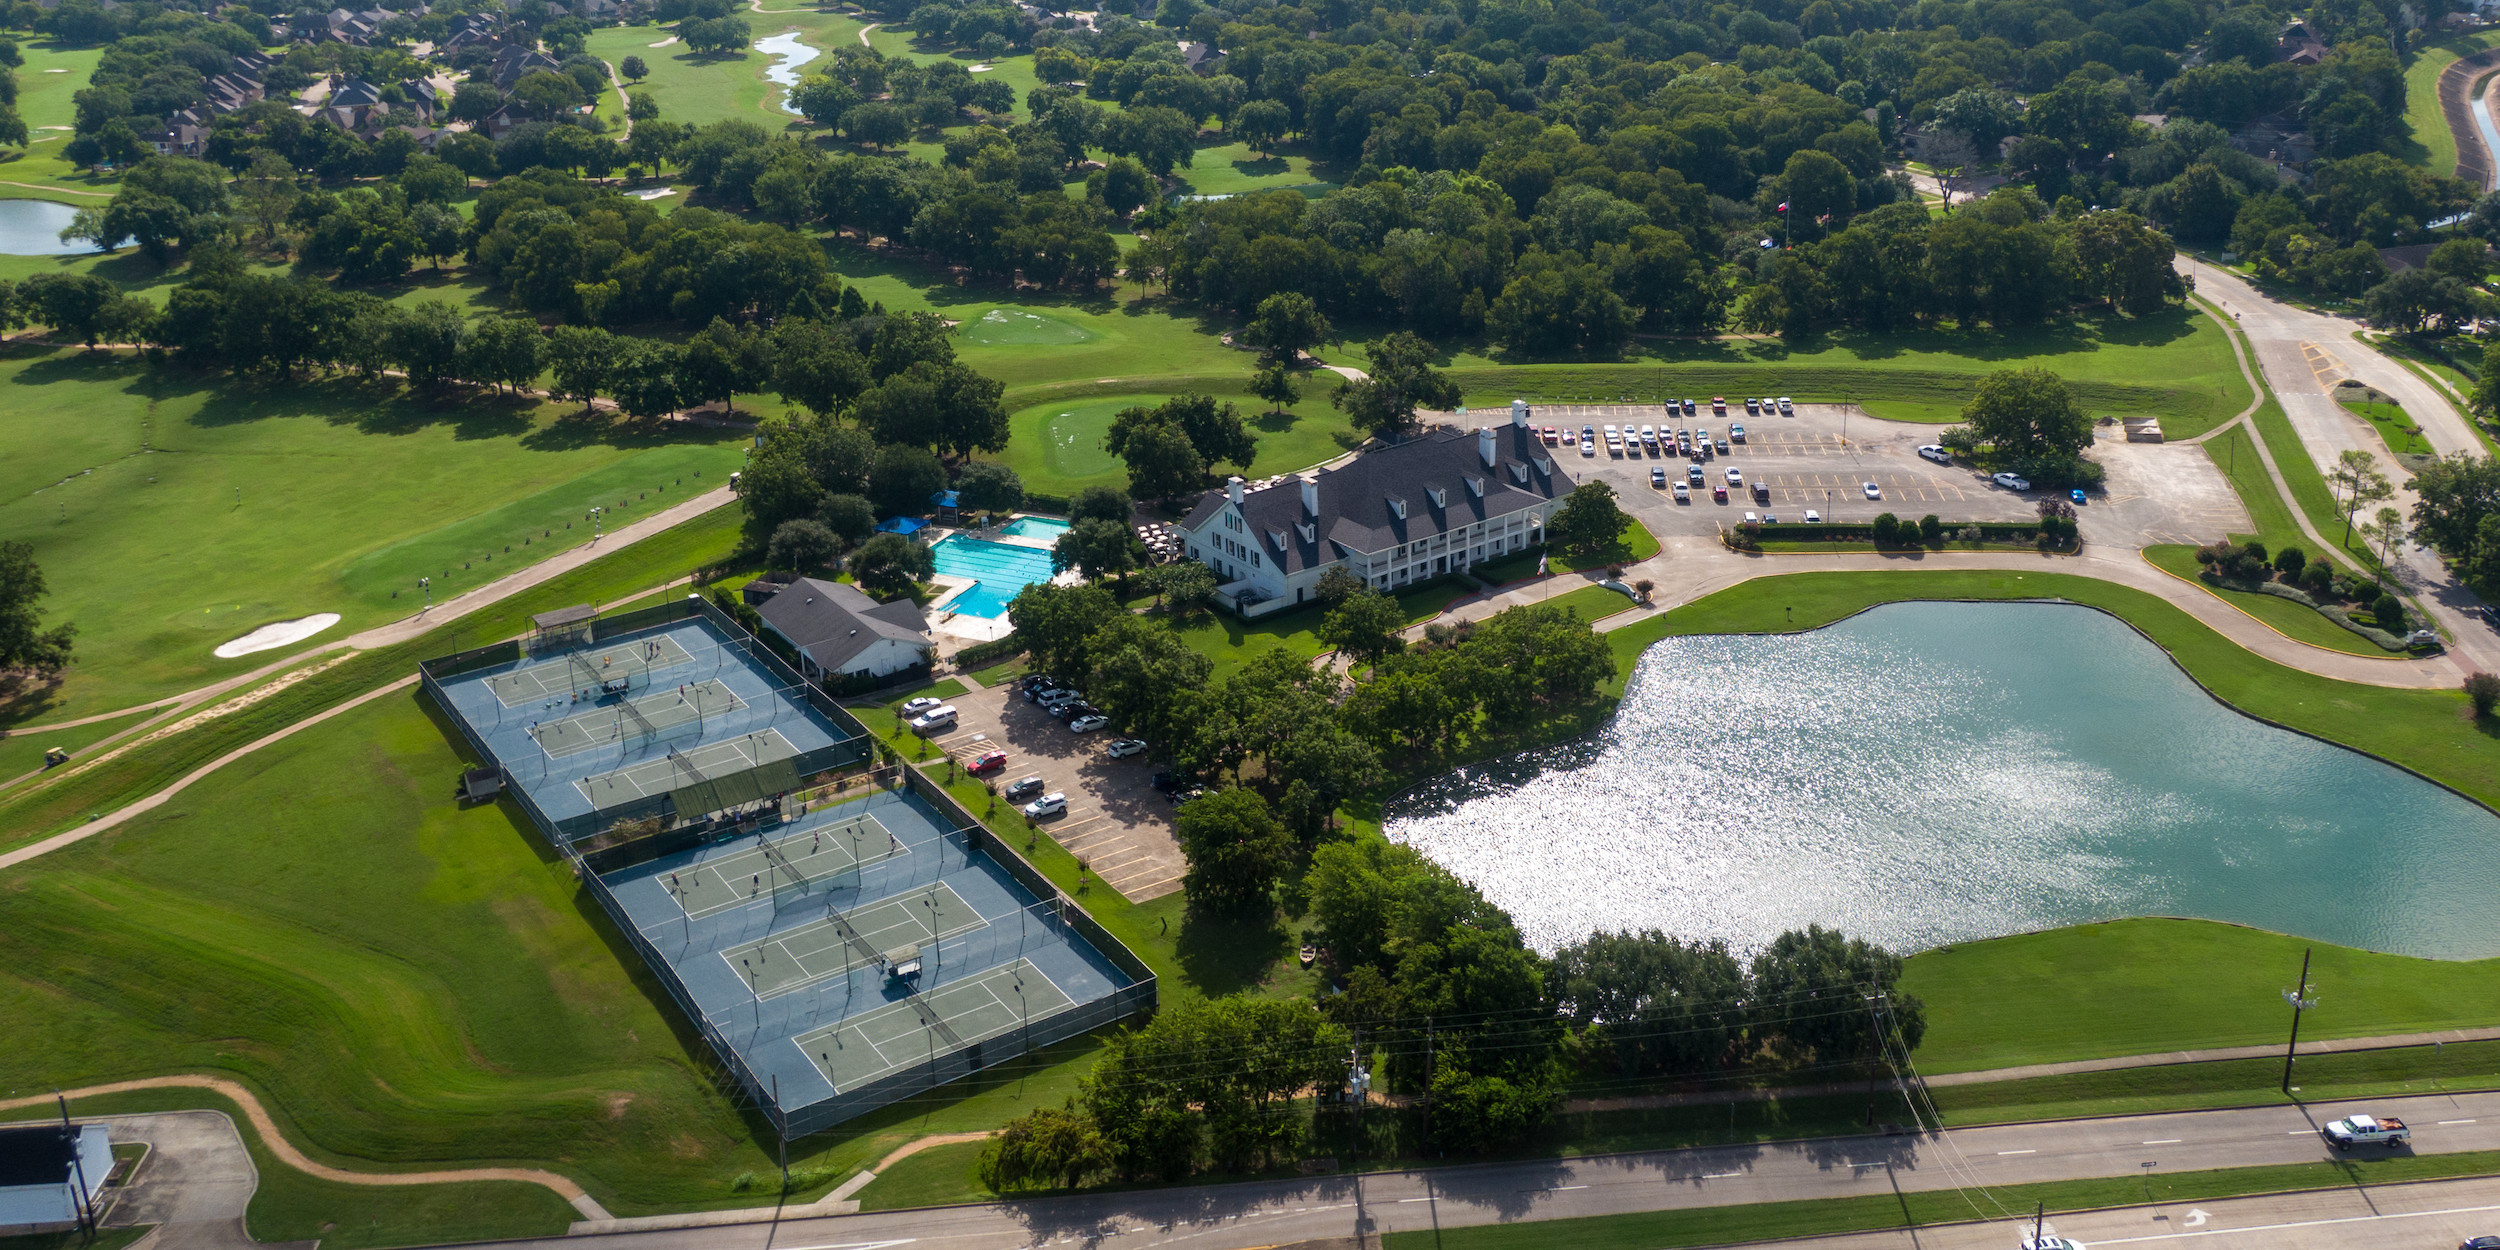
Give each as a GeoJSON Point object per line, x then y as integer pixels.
{"type": "Point", "coordinates": [1122, 748]}
{"type": "Point", "coordinates": [939, 717]}
{"type": "Point", "coordinates": [1735, 476]}
{"type": "Point", "coordinates": [1787, 409]}
{"type": "Point", "coordinates": [915, 707]}
{"type": "Point", "coordinates": [1873, 491]}
{"type": "Point", "coordinates": [1683, 493]}
{"type": "Point", "coordinates": [1813, 517]}
{"type": "Point", "coordinates": [1054, 698]}
{"type": "Point", "coordinates": [1588, 448]}
{"type": "Point", "coordinates": [1613, 434]}
{"type": "Point", "coordinates": [2051, 1243]}
{"type": "Point", "coordinates": [2010, 482]}
{"type": "Point", "coordinates": [1935, 453]}
{"type": "Point", "coordinates": [1051, 804]}
{"type": "Point", "coordinates": [1750, 518]}
{"type": "Point", "coordinates": [1088, 724]}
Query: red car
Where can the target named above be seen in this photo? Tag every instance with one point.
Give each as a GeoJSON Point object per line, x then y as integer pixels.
{"type": "Point", "coordinates": [986, 761]}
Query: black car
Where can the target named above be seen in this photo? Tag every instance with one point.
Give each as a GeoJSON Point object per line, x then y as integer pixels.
{"type": "Point", "coordinates": [2481, 1243]}
{"type": "Point", "coordinates": [1074, 708]}
{"type": "Point", "coordinates": [1025, 789]}
{"type": "Point", "coordinates": [1033, 693]}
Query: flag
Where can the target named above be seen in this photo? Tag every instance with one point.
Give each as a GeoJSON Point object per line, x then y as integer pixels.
{"type": "Point", "coordinates": [1540, 566]}
{"type": "Point", "coordinates": [1783, 206]}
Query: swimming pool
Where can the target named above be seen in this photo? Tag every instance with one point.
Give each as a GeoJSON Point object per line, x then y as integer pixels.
{"type": "Point", "coordinates": [999, 571]}
{"type": "Point", "coordinates": [1035, 527]}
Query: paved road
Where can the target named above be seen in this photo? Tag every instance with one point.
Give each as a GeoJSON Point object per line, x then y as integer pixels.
{"type": "Point", "coordinates": [194, 1186]}
{"type": "Point", "coordinates": [2434, 1216]}
{"type": "Point", "coordinates": [2303, 355]}
{"type": "Point", "coordinates": [1235, 1217]}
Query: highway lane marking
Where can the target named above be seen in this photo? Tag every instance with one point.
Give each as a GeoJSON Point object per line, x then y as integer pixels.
{"type": "Point", "coordinates": [2167, 1141]}
{"type": "Point", "coordinates": [2273, 1228]}
{"type": "Point", "coordinates": [2456, 1121]}
{"type": "Point", "coordinates": [1874, 1164]}
{"type": "Point", "coordinates": [2002, 1153]}
{"type": "Point", "coordinates": [1406, 1200]}
{"type": "Point", "coordinates": [1718, 1176]}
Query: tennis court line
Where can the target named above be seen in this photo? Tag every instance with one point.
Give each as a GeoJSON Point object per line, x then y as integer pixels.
{"type": "Point", "coordinates": [722, 873]}
{"type": "Point", "coordinates": [659, 776]}
{"type": "Point", "coordinates": [871, 1032]}
{"type": "Point", "coordinates": [563, 677]}
{"type": "Point", "coordinates": [865, 946]}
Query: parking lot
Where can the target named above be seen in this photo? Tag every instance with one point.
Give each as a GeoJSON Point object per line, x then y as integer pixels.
{"type": "Point", "coordinates": [1116, 820]}
{"type": "Point", "coordinates": [1822, 457]}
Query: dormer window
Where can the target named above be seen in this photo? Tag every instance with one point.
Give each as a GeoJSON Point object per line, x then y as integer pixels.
{"type": "Point", "coordinates": [1440, 497]}
{"type": "Point", "coordinates": [1475, 487]}
{"type": "Point", "coordinates": [1519, 473]}
{"type": "Point", "coordinates": [1277, 537]}
{"type": "Point", "coordinates": [1397, 507]}
{"type": "Point", "coordinates": [1544, 467]}
{"type": "Point", "coordinates": [1310, 532]}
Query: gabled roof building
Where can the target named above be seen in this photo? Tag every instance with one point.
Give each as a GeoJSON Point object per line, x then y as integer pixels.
{"type": "Point", "coordinates": [1393, 516]}
{"type": "Point", "coordinates": [840, 632]}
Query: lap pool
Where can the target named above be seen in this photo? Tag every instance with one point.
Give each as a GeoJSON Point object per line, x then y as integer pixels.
{"type": "Point", "coordinates": [998, 570]}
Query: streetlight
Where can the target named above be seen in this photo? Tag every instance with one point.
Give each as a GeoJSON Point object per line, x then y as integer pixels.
{"type": "Point", "coordinates": [426, 584]}
{"type": "Point", "coordinates": [595, 514]}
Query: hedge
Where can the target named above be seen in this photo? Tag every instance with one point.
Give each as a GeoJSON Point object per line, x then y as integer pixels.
{"type": "Point", "coordinates": [984, 654]}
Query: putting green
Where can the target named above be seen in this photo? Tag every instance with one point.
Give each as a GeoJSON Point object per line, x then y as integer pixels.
{"type": "Point", "coordinates": [1067, 437]}
{"type": "Point", "coordinates": [1018, 327]}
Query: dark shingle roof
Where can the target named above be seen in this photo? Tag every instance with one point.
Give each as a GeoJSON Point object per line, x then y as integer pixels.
{"type": "Point", "coordinates": [832, 622]}
{"type": "Point", "coordinates": [1355, 512]}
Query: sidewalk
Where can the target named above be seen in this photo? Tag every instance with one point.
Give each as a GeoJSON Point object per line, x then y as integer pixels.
{"type": "Point", "coordinates": [2029, 1072]}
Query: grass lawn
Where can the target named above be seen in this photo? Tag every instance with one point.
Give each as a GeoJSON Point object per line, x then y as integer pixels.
{"type": "Point", "coordinates": [1057, 447]}
{"type": "Point", "coordinates": [1232, 642]}
{"type": "Point", "coordinates": [2431, 146]}
{"type": "Point", "coordinates": [21, 750]}
{"type": "Point", "coordinates": [933, 1177]}
{"type": "Point", "coordinates": [1633, 545]}
{"type": "Point", "coordinates": [1233, 169]}
{"type": "Point", "coordinates": [2402, 436]}
{"type": "Point", "coordinates": [52, 74]}
{"type": "Point", "coordinates": [1001, 674]}
{"type": "Point", "coordinates": [2235, 453]}
{"type": "Point", "coordinates": [699, 90]}
{"type": "Point", "coordinates": [109, 1239]}
{"type": "Point", "coordinates": [237, 504]}
{"type": "Point", "coordinates": [2310, 492]}
{"type": "Point", "coordinates": [2285, 617]}
{"type": "Point", "coordinates": [1591, 603]}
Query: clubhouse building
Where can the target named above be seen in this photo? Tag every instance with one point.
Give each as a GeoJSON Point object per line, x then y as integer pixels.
{"type": "Point", "coordinates": [1393, 516]}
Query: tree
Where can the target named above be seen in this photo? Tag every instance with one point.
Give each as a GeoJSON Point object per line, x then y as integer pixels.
{"type": "Point", "coordinates": [988, 486]}
{"type": "Point", "coordinates": [801, 546]}
{"type": "Point", "coordinates": [1096, 548]}
{"type": "Point", "coordinates": [25, 645]}
{"type": "Point", "coordinates": [1286, 325]}
{"type": "Point", "coordinates": [1057, 624]}
{"type": "Point", "coordinates": [1143, 676]}
{"type": "Point", "coordinates": [1104, 502]}
{"type": "Point", "coordinates": [817, 366]}
{"type": "Point", "coordinates": [504, 352]}
{"type": "Point", "coordinates": [851, 518]}
{"type": "Point", "coordinates": [1365, 627]}
{"type": "Point", "coordinates": [83, 306]}
{"type": "Point", "coordinates": [879, 125]}
{"type": "Point", "coordinates": [889, 564]}
{"type": "Point", "coordinates": [1664, 1005]}
{"type": "Point", "coordinates": [1123, 186]}
{"type": "Point", "coordinates": [2126, 262]}
{"type": "Point", "coordinates": [903, 478]}
{"type": "Point", "coordinates": [2026, 413]}
{"type": "Point", "coordinates": [1589, 519]}
{"type": "Point", "coordinates": [1160, 138]}
{"type": "Point", "coordinates": [1821, 194]}
{"type": "Point", "coordinates": [1799, 974]}
{"type": "Point", "coordinates": [1272, 383]}
{"type": "Point", "coordinates": [1335, 586]}
{"type": "Point", "coordinates": [1162, 462]}
{"type": "Point", "coordinates": [724, 359]}
{"type": "Point", "coordinates": [1046, 1146]}
{"type": "Point", "coordinates": [2358, 483]}
{"type": "Point", "coordinates": [633, 68]}
{"type": "Point", "coordinates": [582, 358]}
{"type": "Point", "coordinates": [1236, 850]}
{"type": "Point", "coordinates": [1260, 123]}
{"type": "Point", "coordinates": [645, 383]}
{"type": "Point", "coordinates": [1402, 379]}
{"type": "Point", "coordinates": [1179, 586]}
{"type": "Point", "coordinates": [823, 99]}
{"type": "Point", "coordinates": [640, 107]}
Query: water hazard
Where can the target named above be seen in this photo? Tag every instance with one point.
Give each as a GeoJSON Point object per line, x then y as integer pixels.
{"type": "Point", "coordinates": [1930, 773]}
{"type": "Point", "coordinates": [33, 228]}
{"type": "Point", "coordinates": [788, 55]}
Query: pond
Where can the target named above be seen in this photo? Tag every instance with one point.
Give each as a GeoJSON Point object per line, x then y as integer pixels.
{"type": "Point", "coordinates": [788, 55]}
{"type": "Point", "coordinates": [33, 228]}
{"type": "Point", "coordinates": [1929, 773]}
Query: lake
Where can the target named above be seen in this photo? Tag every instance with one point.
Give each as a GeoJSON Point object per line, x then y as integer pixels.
{"type": "Point", "coordinates": [33, 228]}
{"type": "Point", "coordinates": [1929, 773]}
{"type": "Point", "coordinates": [788, 55]}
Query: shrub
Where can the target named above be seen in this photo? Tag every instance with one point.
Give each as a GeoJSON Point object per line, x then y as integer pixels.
{"type": "Point", "coordinates": [2318, 579]}
{"type": "Point", "coordinates": [2390, 612]}
{"type": "Point", "coordinates": [1931, 528]}
{"type": "Point", "coordinates": [2484, 690]}
{"type": "Point", "coordinates": [1887, 529]}
{"type": "Point", "coordinates": [2291, 560]}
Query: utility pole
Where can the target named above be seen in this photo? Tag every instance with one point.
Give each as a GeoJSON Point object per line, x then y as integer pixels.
{"type": "Point", "coordinates": [1431, 1067]}
{"type": "Point", "coordinates": [78, 1166]}
{"type": "Point", "coordinates": [2300, 1001]}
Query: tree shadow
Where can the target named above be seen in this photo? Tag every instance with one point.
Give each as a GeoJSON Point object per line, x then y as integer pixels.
{"type": "Point", "coordinates": [1224, 954]}
{"type": "Point", "coordinates": [25, 696]}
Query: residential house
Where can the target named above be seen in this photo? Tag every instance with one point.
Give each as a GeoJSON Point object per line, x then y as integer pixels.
{"type": "Point", "coordinates": [1393, 516]}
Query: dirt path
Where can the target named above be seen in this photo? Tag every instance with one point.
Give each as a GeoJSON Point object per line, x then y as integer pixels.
{"type": "Point", "coordinates": [910, 1148]}
{"type": "Point", "coordinates": [36, 186]}
{"type": "Point", "coordinates": [287, 1154]}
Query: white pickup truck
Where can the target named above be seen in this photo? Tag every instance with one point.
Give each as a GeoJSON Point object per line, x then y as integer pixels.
{"type": "Point", "coordinates": [2356, 1130]}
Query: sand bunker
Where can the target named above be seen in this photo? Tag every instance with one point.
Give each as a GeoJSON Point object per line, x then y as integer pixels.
{"type": "Point", "coordinates": [277, 634]}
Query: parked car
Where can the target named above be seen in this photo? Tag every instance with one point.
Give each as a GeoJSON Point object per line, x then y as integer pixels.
{"type": "Point", "coordinates": [1689, 409]}
{"type": "Point", "coordinates": [940, 717]}
{"type": "Point", "coordinates": [1770, 518]}
{"type": "Point", "coordinates": [1024, 789]}
{"type": "Point", "coordinates": [2075, 497]}
{"type": "Point", "coordinates": [1693, 474]}
{"type": "Point", "coordinates": [1722, 447]}
{"type": "Point", "coordinates": [1718, 405]}
{"type": "Point", "coordinates": [1089, 722]}
{"type": "Point", "coordinates": [1762, 491]}
{"type": "Point", "coordinates": [1052, 804]}
{"type": "Point", "coordinates": [2011, 482]}
{"type": "Point", "coordinates": [1787, 409]}
{"type": "Point", "coordinates": [1060, 696]}
{"type": "Point", "coordinates": [1813, 517]}
{"type": "Point", "coordinates": [1753, 407]}
{"type": "Point", "coordinates": [1122, 748]}
{"type": "Point", "coordinates": [1718, 492]}
{"type": "Point", "coordinates": [2480, 1243]}
{"type": "Point", "coordinates": [1873, 491]}
{"type": "Point", "coordinates": [1550, 435]}
{"type": "Point", "coordinates": [1735, 476]}
{"type": "Point", "coordinates": [1588, 447]}
{"type": "Point", "coordinates": [1684, 494]}
{"type": "Point", "coordinates": [914, 707]}
{"type": "Point", "coordinates": [1736, 433]}
{"type": "Point", "coordinates": [986, 761]}
{"type": "Point", "coordinates": [1935, 453]}
{"type": "Point", "coordinates": [1750, 518]}
{"type": "Point", "coordinates": [2050, 1243]}
{"type": "Point", "coordinates": [1074, 709]}
{"type": "Point", "coordinates": [1657, 478]}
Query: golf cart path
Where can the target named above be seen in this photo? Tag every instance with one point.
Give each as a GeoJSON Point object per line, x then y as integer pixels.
{"type": "Point", "coordinates": [286, 1152]}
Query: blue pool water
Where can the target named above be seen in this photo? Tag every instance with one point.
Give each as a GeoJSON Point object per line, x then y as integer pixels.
{"type": "Point", "coordinates": [1035, 527]}
{"type": "Point", "coordinates": [1000, 569]}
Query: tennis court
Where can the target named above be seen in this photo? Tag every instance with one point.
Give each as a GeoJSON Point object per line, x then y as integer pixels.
{"type": "Point", "coordinates": [645, 718]}
{"type": "Point", "coordinates": [961, 1013]}
{"type": "Point", "coordinates": [799, 859]}
{"type": "Point", "coordinates": [679, 769]}
{"type": "Point", "coordinates": [838, 943]}
{"type": "Point", "coordinates": [588, 668]}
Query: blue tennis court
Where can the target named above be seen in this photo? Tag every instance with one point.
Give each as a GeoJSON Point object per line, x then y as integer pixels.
{"type": "Point", "coordinates": [1000, 569]}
